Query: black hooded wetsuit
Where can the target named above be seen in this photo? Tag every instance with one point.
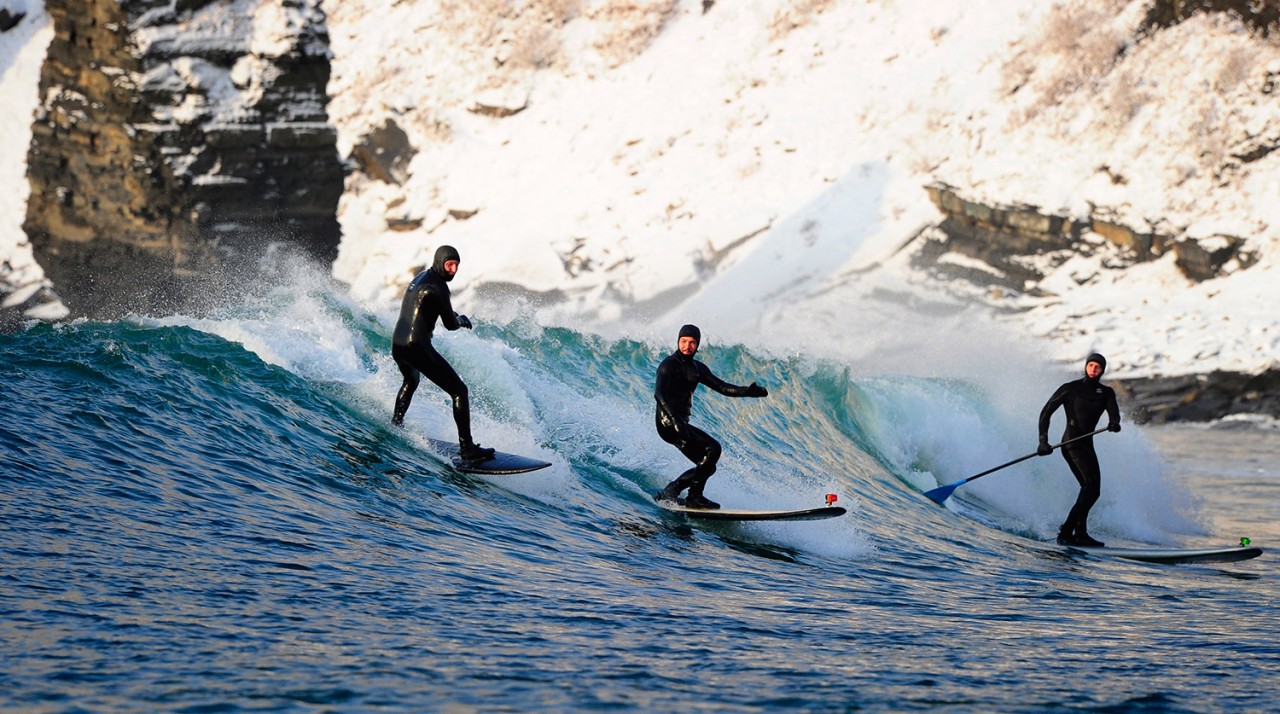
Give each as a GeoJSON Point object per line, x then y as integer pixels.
{"type": "Point", "coordinates": [426, 300]}
{"type": "Point", "coordinates": [678, 376]}
{"type": "Point", "coordinates": [1084, 401]}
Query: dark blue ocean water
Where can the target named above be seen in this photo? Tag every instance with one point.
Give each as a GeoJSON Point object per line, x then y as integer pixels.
{"type": "Point", "coordinates": [215, 515]}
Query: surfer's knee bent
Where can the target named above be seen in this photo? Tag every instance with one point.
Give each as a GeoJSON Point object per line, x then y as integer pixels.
{"type": "Point", "coordinates": [710, 457]}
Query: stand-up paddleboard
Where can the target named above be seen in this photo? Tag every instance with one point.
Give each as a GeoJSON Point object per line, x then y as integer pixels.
{"type": "Point", "coordinates": [501, 464]}
{"type": "Point", "coordinates": [737, 514]}
{"type": "Point", "coordinates": [1173, 556]}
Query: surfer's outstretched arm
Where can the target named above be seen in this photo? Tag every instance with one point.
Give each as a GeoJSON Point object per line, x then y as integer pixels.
{"type": "Point", "coordinates": [714, 383]}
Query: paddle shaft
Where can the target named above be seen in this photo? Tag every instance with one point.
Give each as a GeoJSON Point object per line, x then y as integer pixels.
{"type": "Point", "coordinates": [944, 493]}
{"type": "Point", "coordinates": [1030, 456]}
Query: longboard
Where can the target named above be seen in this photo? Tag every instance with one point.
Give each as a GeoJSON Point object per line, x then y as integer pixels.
{"type": "Point", "coordinates": [502, 463]}
{"type": "Point", "coordinates": [1229, 554]}
{"type": "Point", "coordinates": [736, 514]}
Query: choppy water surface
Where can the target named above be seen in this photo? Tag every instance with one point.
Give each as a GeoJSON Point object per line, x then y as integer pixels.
{"type": "Point", "coordinates": [214, 515]}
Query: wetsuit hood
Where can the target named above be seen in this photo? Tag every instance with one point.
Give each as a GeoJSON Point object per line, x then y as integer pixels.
{"type": "Point", "coordinates": [1095, 357]}
{"type": "Point", "coordinates": [688, 331]}
{"type": "Point", "coordinates": [444, 254]}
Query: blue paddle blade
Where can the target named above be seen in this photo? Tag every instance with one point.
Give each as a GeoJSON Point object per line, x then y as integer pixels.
{"type": "Point", "coordinates": [942, 493]}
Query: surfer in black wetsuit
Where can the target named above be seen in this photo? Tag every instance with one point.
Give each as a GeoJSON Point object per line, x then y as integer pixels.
{"type": "Point", "coordinates": [1084, 401]}
{"type": "Point", "coordinates": [678, 376]}
{"type": "Point", "coordinates": [425, 300]}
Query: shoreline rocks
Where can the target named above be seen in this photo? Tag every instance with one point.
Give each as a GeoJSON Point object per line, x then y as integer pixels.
{"type": "Point", "coordinates": [1199, 397]}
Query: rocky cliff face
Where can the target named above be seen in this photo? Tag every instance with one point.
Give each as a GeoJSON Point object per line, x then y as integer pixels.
{"type": "Point", "coordinates": [1011, 247]}
{"type": "Point", "coordinates": [175, 142]}
{"type": "Point", "coordinates": [1006, 237]}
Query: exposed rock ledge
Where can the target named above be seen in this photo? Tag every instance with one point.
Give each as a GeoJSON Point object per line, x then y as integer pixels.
{"type": "Point", "coordinates": [1199, 397]}
{"type": "Point", "coordinates": [1006, 238]}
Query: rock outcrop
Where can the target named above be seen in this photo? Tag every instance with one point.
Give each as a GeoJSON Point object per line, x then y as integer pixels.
{"type": "Point", "coordinates": [1262, 15]}
{"type": "Point", "coordinates": [1003, 236]}
{"type": "Point", "coordinates": [25, 295]}
{"type": "Point", "coordinates": [175, 141]}
{"type": "Point", "coordinates": [1200, 397]}
{"type": "Point", "coordinates": [9, 19]}
{"type": "Point", "coordinates": [1000, 240]}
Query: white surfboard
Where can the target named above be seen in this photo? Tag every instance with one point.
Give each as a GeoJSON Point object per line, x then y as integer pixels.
{"type": "Point", "coordinates": [1229, 554]}
{"type": "Point", "coordinates": [737, 514]}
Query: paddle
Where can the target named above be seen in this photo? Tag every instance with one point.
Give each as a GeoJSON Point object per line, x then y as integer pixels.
{"type": "Point", "coordinates": [942, 493]}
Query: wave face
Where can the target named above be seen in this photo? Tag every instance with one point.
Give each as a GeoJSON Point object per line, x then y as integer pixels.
{"type": "Point", "coordinates": [215, 515]}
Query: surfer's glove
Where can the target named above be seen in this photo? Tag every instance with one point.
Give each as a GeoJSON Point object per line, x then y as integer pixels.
{"type": "Point", "coordinates": [1113, 426]}
{"type": "Point", "coordinates": [464, 321]}
{"type": "Point", "coordinates": [755, 390]}
{"type": "Point", "coordinates": [1044, 449]}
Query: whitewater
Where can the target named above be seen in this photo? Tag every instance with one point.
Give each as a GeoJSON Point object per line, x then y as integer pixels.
{"type": "Point", "coordinates": [215, 514]}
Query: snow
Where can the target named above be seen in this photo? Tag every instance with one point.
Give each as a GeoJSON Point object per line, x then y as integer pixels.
{"type": "Point", "coordinates": [760, 169]}
{"type": "Point", "coordinates": [21, 53]}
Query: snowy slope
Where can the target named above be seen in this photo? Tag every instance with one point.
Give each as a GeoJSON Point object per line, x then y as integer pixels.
{"type": "Point", "coordinates": [21, 53]}
{"type": "Point", "coordinates": [757, 165]}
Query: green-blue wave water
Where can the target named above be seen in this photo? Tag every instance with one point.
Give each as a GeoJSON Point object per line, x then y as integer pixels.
{"type": "Point", "coordinates": [215, 515]}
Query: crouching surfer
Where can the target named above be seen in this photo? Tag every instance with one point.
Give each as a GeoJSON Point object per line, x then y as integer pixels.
{"type": "Point", "coordinates": [1084, 401]}
{"type": "Point", "coordinates": [426, 300]}
{"type": "Point", "coordinates": [678, 376]}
